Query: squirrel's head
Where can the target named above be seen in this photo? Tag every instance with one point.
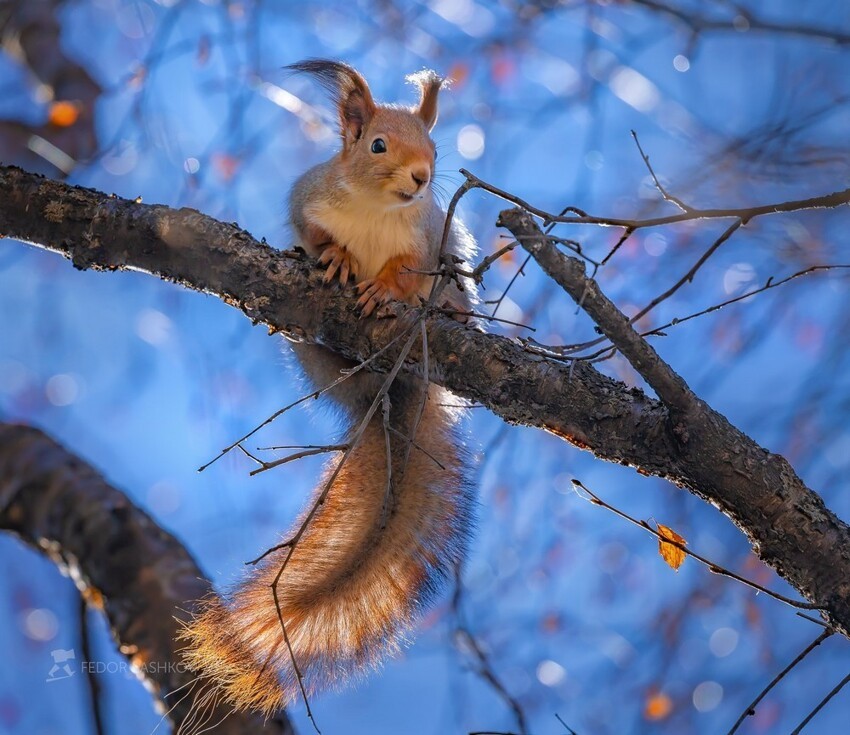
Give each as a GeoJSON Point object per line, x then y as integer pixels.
{"type": "Point", "coordinates": [387, 152]}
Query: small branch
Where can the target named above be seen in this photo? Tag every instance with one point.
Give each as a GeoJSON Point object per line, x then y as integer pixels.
{"type": "Point", "coordinates": [292, 457]}
{"type": "Point", "coordinates": [745, 214]}
{"type": "Point", "coordinates": [627, 233]}
{"type": "Point", "coordinates": [519, 272]}
{"type": "Point", "coordinates": [290, 446]}
{"type": "Point", "coordinates": [565, 352]}
{"type": "Point", "coordinates": [689, 276]}
{"type": "Point", "coordinates": [668, 197]}
{"type": "Point", "coordinates": [485, 264]}
{"type": "Point", "coordinates": [751, 707]}
{"type": "Point", "coordinates": [767, 287]}
{"type": "Point", "coordinates": [388, 489]}
{"type": "Point", "coordinates": [712, 567]}
{"type": "Point", "coordinates": [569, 730]}
{"type": "Point", "coordinates": [485, 317]}
{"type": "Point", "coordinates": [313, 395]}
{"type": "Point", "coordinates": [485, 671]}
{"type": "Point", "coordinates": [418, 446]}
{"type": "Point", "coordinates": [686, 278]}
{"type": "Point", "coordinates": [838, 687]}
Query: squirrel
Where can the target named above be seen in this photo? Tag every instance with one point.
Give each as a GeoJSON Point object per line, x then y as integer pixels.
{"type": "Point", "coordinates": [369, 560]}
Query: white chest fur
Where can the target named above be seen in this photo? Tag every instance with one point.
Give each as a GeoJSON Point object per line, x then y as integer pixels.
{"type": "Point", "coordinates": [371, 234]}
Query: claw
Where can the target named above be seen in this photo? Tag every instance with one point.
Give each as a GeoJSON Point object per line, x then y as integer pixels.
{"type": "Point", "coordinates": [339, 261]}
{"type": "Point", "coordinates": [373, 293]}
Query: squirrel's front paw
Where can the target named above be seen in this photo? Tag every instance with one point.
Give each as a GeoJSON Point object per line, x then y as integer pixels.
{"type": "Point", "coordinates": [338, 260]}
{"type": "Point", "coordinates": [374, 292]}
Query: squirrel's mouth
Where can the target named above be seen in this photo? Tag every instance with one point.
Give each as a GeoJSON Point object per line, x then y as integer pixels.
{"type": "Point", "coordinates": [404, 196]}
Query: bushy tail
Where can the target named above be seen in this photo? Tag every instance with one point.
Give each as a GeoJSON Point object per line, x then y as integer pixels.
{"type": "Point", "coordinates": [357, 577]}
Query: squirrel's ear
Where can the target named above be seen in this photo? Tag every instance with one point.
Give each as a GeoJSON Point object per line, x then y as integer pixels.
{"type": "Point", "coordinates": [350, 93]}
{"type": "Point", "coordinates": [429, 83]}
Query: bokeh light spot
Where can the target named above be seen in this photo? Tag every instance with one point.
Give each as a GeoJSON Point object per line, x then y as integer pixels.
{"type": "Point", "coordinates": [723, 641]}
{"type": "Point", "coordinates": [707, 695]}
{"type": "Point", "coordinates": [470, 142]}
{"type": "Point", "coordinates": [154, 327]}
{"type": "Point", "coordinates": [39, 624]}
{"type": "Point", "coordinates": [62, 389]}
{"type": "Point", "coordinates": [550, 673]}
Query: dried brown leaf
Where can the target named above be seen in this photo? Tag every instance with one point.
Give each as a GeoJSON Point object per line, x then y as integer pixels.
{"type": "Point", "coordinates": [673, 555]}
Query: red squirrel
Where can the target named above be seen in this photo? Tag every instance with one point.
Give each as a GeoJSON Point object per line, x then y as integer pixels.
{"type": "Point", "coordinates": [366, 564]}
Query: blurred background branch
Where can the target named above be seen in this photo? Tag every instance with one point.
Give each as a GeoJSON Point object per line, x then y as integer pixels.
{"type": "Point", "coordinates": [123, 564]}
{"type": "Point", "coordinates": [30, 34]}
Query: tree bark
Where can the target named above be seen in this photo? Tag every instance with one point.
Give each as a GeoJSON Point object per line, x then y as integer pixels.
{"type": "Point", "coordinates": [121, 560]}
{"type": "Point", "coordinates": [787, 523]}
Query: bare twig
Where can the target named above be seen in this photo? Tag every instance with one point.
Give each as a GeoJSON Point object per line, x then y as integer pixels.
{"type": "Point", "coordinates": [745, 214]}
{"type": "Point", "coordinates": [770, 284]}
{"type": "Point", "coordinates": [486, 672]}
{"type": "Point", "coordinates": [668, 197]}
{"type": "Point", "coordinates": [388, 490]}
{"type": "Point", "coordinates": [569, 730]}
{"type": "Point", "coordinates": [751, 707]}
{"type": "Point", "coordinates": [419, 446]}
{"type": "Point", "coordinates": [712, 567]}
{"type": "Point", "coordinates": [837, 688]}
{"type": "Point", "coordinates": [484, 666]}
{"type": "Point", "coordinates": [485, 264]}
{"type": "Point", "coordinates": [292, 457]}
{"type": "Point", "coordinates": [565, 352]}
{"type": "Point", "coordinates": [519, 272]}
{"type": "Point", "coordinates": [688, 277]}
{"type": "Point", "coordinates": [485, 317]}
{"type": "Point", "coordinates": [313, 395]}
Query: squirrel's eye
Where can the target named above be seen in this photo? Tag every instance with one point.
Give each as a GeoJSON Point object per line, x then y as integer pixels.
{"type": "Point", "coordinates": [378, 146]}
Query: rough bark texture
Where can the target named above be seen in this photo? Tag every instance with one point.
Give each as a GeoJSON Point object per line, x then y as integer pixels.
{"type": "Point", "coordinates": [122, 562]}
{"type": "Point", "coordinates": [687, 443]}
{"type": "Point", "coordinates": [787, 523]}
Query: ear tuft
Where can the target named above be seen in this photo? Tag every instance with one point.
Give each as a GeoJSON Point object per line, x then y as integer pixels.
{"type": "Point", "coordinates": [430, 83]}
{"type": "Point", "coordinates": [349, 91]}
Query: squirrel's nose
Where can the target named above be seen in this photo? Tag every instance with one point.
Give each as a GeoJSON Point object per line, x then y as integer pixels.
{"type": "Point", "coordinates": [421, 176]}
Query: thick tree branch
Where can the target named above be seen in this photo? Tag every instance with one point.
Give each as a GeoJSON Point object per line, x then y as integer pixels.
{"type": "Point", "coordinates": [569, 273]}
{"type": "Point", "coordinates": [787, 523]}
{"type": "Point", "coordinates": [757, 489]}
{"type": "Point", "coordinates": [141, 576]}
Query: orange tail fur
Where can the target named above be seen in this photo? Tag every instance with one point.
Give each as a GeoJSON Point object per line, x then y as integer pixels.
{"type": "Point", "coordinates": [365, 565]}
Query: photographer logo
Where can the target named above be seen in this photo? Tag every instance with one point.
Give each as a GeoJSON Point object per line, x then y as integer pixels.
{"type": "Point", "coordinates": [61, 667]}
